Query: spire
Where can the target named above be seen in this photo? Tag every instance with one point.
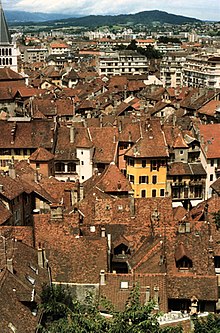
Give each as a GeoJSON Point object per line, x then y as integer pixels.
{"type": "Point", "coordinates": [5, 37]}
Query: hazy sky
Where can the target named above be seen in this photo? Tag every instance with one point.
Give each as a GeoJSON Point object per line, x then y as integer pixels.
{"type": "Point", "coordinates": [202, 9]}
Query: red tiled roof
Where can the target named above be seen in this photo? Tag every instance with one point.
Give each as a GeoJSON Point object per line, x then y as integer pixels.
{"type": "Point", "coordinates": [41, 154]}
{"type": "Point", "coordinates": [210, 140]}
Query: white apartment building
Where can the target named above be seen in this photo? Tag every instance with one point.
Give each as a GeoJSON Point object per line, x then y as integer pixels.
{"type": "Point", "coordinates": [202, 70]}
{"type": "Point", "coordinates": [34, 54]}
{"type": "Point", "coordinates": [171, 73]}
{"type": "Point", "coordinates": [124, 62]}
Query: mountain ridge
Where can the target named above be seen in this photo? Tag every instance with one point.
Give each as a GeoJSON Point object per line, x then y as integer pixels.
{"type": "Point", "coordinates": [144, 17]}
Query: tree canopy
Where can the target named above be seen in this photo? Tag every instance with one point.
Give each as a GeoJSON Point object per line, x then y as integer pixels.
{"type": "Point", "coordinates": [63, 313]}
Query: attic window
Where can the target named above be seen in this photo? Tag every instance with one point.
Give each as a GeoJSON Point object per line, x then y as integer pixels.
{"type": "Point", "coordinates": [30, 279]}
{"type": "Point", "coordinates": [184, 263]}
{"type": "Point", "coordinates": [184, 227]}
{"type": "Point", "coordinates": [120, 207]}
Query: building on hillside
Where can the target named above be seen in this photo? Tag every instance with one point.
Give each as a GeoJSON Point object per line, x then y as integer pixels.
{"type": "Point", "coordinates": [8, 50]}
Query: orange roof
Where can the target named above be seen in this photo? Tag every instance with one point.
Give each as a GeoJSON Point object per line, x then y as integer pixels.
{"type": "Point", "coordinates": [59, 45]}
{"type": "Point", "coordinates": [149, 40]}
{"type": "Point", "coordinates": [41, 154]}
{"type": "Point", "coordinates": [210, 138]}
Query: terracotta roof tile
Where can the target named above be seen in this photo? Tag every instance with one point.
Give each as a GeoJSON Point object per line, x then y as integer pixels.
{"type": "Point", "coordinates": [210, 140]}
{"type": "Point", "coordinates": [41, 154]}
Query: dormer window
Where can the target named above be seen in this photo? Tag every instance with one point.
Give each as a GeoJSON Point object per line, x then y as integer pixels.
{"type": "Point", "coordinates": [182, 257]}
{"type": "Point", "coordinates": [184, 263]}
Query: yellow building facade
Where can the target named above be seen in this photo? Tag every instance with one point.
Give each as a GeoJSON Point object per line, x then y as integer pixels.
{"type": "Point", "coordinates": [147, 176]}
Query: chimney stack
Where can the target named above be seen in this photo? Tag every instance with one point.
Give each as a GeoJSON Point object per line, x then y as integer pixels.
{"type": "Point", "coordinates": [12, 173]}
{"type": "Point", "coordinates": [72, 134]}
{"type": "Point", "coordinates": [103, 232]}
{"type": "Point", "coordinates": [102, 277]}
{"type": "Point", "coordinates": [40, 257]}
{"type": "Point", "coordinates": [10, 265]}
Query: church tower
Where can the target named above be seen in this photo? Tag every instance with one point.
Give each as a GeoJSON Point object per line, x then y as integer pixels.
{"type": "Point", "coordinates": [8, 50]}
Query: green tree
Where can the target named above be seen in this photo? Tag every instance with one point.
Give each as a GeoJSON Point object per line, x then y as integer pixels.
{"type": "Point", "coordinates": [210, 324]}
{"type": "Point", "coordinates": [64, 314]}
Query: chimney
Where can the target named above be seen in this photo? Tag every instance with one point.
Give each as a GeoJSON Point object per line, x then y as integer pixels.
{"type": "Point", "coordinates": [109, 242]}
{"type": "Point", "coordinates": [156, 296]}
{"type": "Point", "coordinates": [13, 130]}
{"type": "Point", "coordinates": [102, 277]}
{"type": "Point", "coordinates": [120, 126]}
{"type": "Point", "coordinates": [101, 121]}
{"type": "Point", "coordinates": [72, 134]}
{"type": "Point", "coordinates": [40, 257]}
{"type": "Point", "coordinates": [132, 205]}
{"type": "Point", "coordinates": [81, 192]}
{"type": "Point", "coordinates": [10, 265]}
{"type": "Point", "coordinates": [103, 232]}
{"type": "Point", "coordinates": [12, 172]}
{"type": "Point", "coordinates": [147, 295]}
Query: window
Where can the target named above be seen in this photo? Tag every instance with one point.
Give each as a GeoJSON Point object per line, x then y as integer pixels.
{"type": "Point", "coordinates": [124, 285]}
{"type": "Point", "coordinates": [211, 177]}
{"type": "Point", "coordinates": [154, 179]}
{"type": "Point", "coordinates": [143, 193]}
{"type": "Point", "coordinates": [153, 165]}
{"type": "Point", "coordinates": [131, 178]}
{"type": "Point", "coordinates": [144, 163]}
{"type": "Point", "coordinates": [83, 177]}
{"type": "Point", "coordinates": [212, 162]}
{"type": "Point", "coordinates": [143, 179]}
{"type": "Point", "coordinates": [60, 167]}
{"type": "Point", "coordinates": [81, 152]}
{"type": "Point", "coordinates": [82, 162]}
{"type": "Point", "coordinates": [71, 167]}
{"type": "Point", "coordinates": [181, 152]}
{"type": "Point", "coordinates": [154, 193]}
{"type": "Point", "coordinates": [131, 161]}
{"type": "Point", "coordinates": [184, 263]}
{"type": "Point", "coordinates": [38, 165]}
{"type": "Point", "coordinates": [162, 192]}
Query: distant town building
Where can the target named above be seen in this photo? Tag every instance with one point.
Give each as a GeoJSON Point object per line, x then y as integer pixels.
{"type": "Point", "coordinates": [124, 62]}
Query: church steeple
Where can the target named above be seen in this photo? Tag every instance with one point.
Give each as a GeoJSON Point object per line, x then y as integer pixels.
{"type": "Point", "coordinates": [5, 37]}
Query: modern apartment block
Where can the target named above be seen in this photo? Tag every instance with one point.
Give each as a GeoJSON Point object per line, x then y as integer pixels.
{"type": "Point", "coordinates": [202, 70]}
{"type": "Point", "coordinates": [171, 73]}
{"type": "Point", "coordinates": [125, 62]}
